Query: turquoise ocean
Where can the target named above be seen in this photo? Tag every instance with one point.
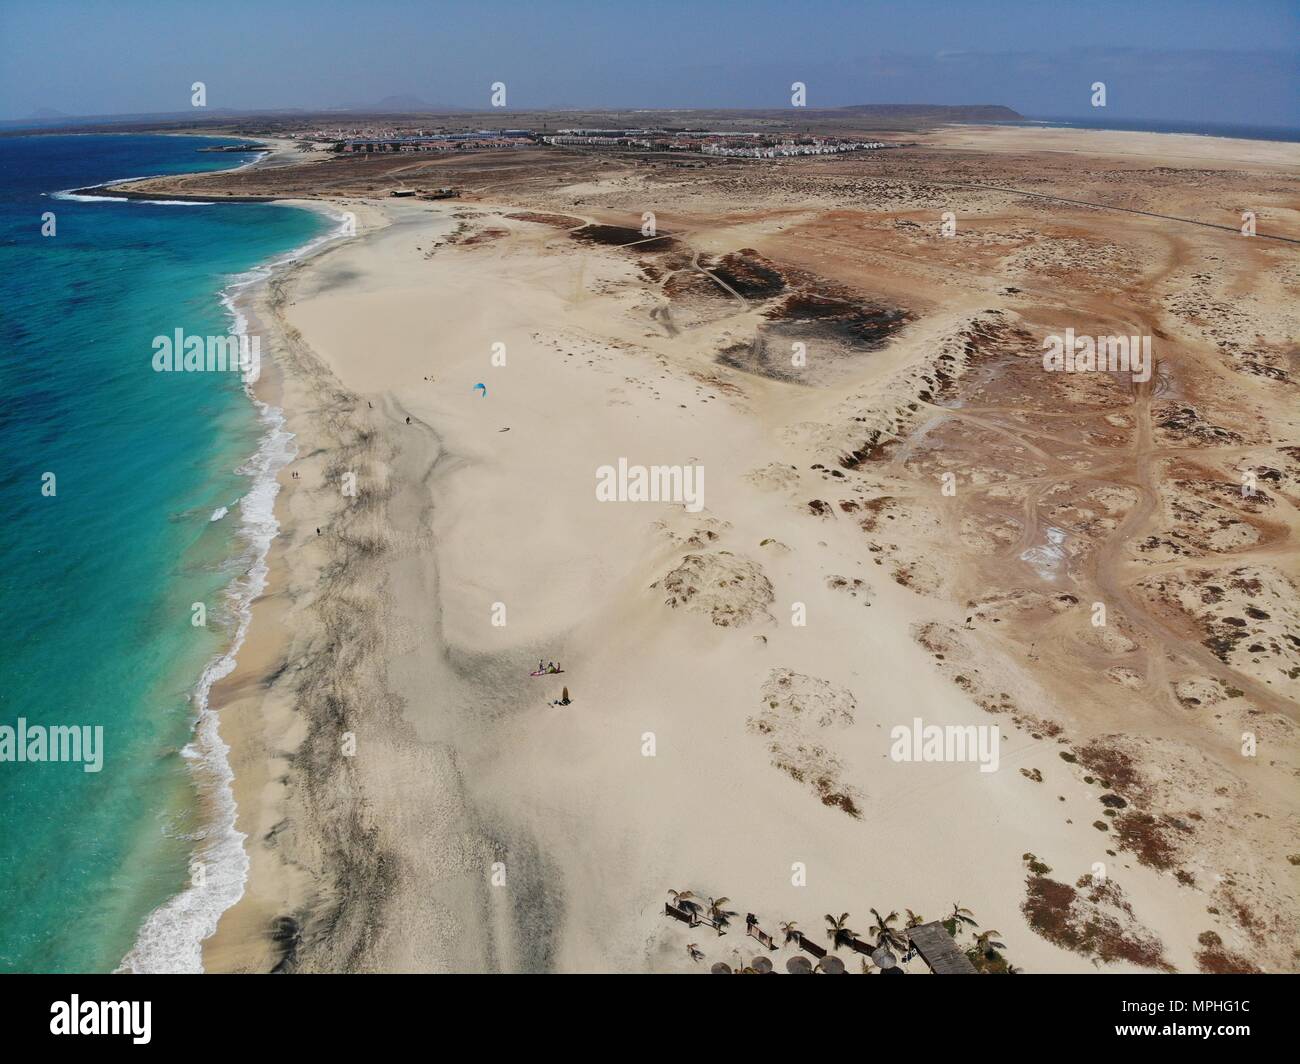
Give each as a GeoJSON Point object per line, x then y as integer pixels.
{"type": "Point", "coordinates": [163, 485]}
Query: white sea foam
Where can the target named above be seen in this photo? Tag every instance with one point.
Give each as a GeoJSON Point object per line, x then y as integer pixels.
{"type": "Point", "coordinates": [72, 194]}
{"type": "Point", "coordinates": [219, 513]}
{"type": "Point", "coordinates": [171, 938]}
{"type": "Point", "coordinates": [262, 153]}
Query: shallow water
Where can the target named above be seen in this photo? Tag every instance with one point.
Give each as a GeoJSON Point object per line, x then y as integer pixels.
{"type": "Point", "coordinates": [100, 578]}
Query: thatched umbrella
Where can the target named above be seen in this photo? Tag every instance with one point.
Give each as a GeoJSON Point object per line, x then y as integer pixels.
{"type": "Point", "coordinates": [761, 965]}
{"type": "Point", "coordinates": [892, 971]}
{"type": "Point", "coordinates": [831, 965]}
{"type": "Point", "coordinates": [883, 959]}
{"type": "Point", "coordinates": [721, 968]}
{"type": "Point", "coordinates": [799, 966]}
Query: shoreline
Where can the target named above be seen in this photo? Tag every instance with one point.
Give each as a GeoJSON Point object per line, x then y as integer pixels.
{"type": "Point", "coordinates": [108, 192]}
{"type": "Point", "coordinates": [258, 725]}
{"type": "Point", "coordinates": [266, 150]}
{"type": "Point", "coordinates": [190, 917]}
{"type": "Point", "coordinates": [221, 856]}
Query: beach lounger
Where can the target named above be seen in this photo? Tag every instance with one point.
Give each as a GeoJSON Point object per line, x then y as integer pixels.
{"type": "Point", "coordinates": [683, 915]}
{"type": "Point", "coordinates": [809, 946]}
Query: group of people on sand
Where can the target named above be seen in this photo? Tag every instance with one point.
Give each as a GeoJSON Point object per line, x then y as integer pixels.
{"type": "Point", "coordinates": [553, 668]}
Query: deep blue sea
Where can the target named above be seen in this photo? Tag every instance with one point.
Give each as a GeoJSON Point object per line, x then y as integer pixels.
{"type": "Point", "coordinates": [99, 577]}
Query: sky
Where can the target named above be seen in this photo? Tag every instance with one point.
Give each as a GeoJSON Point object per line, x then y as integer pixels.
{"type": "Point", "coordinates": [1167, 60]}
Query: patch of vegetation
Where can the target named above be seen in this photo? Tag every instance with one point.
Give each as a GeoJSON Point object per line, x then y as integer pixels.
{"type": "Point", "coordinates": [1039, 868]}
{"type": "Point", "coordinates": [1074, 919]}
{"type": "Point", "coordinates": [1114, 767]}
{"type": "Point", "coordinates": [1214, 959]}
{"type": "Point", "coordinates": [1149, 838]}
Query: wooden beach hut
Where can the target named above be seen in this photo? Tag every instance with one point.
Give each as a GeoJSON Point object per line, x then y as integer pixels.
{"type": "Point", "coordinates": [939, 951]}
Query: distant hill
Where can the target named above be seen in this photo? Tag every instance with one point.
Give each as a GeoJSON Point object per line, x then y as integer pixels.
{"type": "Point", "coordinates": [405, 102]}
{"type": "Point", "coordinates": [400, 104]}
{"type": "Point", "coordinates": [984, 112]}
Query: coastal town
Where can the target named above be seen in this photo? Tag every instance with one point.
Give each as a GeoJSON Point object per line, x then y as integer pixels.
{"type": "Point", "coordinates": [368, 140]}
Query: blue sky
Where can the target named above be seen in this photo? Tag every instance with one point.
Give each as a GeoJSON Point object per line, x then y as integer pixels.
{"type": "Point", "coordinates": [1191, 60]}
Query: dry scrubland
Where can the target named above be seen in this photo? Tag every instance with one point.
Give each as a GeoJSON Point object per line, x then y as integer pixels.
{"type": "Point", "coordinates": [1122, 744]}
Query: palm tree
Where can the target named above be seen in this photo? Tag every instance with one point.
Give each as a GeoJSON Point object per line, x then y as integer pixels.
{"type": "Point", "coordinates": [885, 934]}
{"type": "Point", "coordinates": [694, 952]}
{"type": "Point", "coordinates": [913, 920]}
{"type": "Point", "coordinates": [791, 932]}
{"type": "Point", "coordinates": [958, 918]}
{"type": "Point", "coordinates": [985, 942]}
{"type": "Point", "coordinates": [838, 931]}
{"type": "Point", "coordinates": [684, 899]}
{"type": "Point", "coordinates": [721, 917]}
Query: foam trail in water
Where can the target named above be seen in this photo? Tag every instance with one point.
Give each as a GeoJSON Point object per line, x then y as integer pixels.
{"type": "Point", "coordinates": [171, 939]}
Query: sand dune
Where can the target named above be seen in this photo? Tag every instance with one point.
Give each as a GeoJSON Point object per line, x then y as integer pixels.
{"type": "Point", "coordinates": [413, 800]}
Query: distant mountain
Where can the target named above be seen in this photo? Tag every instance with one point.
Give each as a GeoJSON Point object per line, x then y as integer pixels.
{"type": "Point", "coordinates": [403, 103]}
{"type": "Point", "coordinates": [980, 112]}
